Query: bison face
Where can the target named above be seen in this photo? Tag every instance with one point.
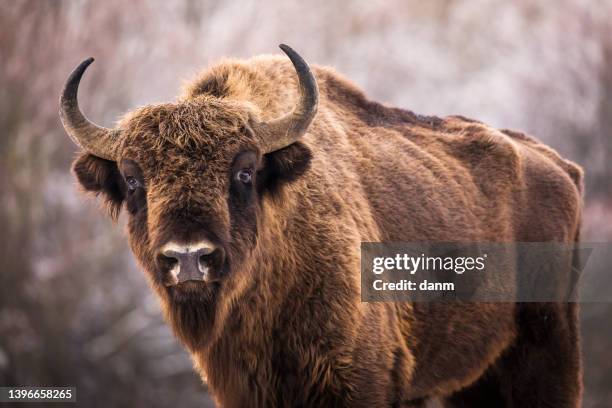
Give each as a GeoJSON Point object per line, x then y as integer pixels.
{"type": "Point", "coordinates": [193, 182]}
{"type": "Point", "coordinates": [194, 178]}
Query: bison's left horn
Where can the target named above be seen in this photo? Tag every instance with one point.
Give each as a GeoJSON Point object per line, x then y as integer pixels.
{"type": "Point", "coordinates": [288, 129]}
{"type": "Point", "coordinates": [97, 140]}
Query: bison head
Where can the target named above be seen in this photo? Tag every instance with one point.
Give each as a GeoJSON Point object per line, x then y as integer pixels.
{"type": "Point", "coordinates": [193, 177]}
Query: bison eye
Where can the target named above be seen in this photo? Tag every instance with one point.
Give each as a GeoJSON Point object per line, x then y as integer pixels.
{"type": "Point", "coordinates": [132, 183]}
{"type": "Point", "coordinates": [244, 176]}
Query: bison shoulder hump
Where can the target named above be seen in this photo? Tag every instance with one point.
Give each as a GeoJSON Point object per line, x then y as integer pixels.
{"type": "Point", "coordinates": [489, 152]}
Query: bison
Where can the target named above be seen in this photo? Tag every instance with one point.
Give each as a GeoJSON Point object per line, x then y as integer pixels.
{"type": "Point", "coordinates": [248, 199]}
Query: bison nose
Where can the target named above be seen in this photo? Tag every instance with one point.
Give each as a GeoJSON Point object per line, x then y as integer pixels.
{"type": "Point", "coordinates": [189, 261]}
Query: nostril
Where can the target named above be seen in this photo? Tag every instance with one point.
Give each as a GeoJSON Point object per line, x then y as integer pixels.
{"type": "Point", "coordinates": [210, 258]}
{"type": "Point", "coordinates": [205, 257]}
{"type": "Point", "coordinates": [203, 264]}
{"type": "Point", "coordinates": [167, 260]}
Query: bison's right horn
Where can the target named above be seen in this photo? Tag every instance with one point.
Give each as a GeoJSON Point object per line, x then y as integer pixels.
{"type": "Point", "coordinates": [288, 129]}
{"type": "Point", "coordinates": [97, 140]}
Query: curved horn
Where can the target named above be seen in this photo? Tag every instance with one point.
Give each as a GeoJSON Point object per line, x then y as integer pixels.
{"type": "Point", "coordinates": [288, 129]}
{"type": "Point", "coordinates": [97, 140]}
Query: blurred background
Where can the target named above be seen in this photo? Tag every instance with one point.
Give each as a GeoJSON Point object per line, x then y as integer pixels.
{"type": "Point", "coordinates": [75, 309]}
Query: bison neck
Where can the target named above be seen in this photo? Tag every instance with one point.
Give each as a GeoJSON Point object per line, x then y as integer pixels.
{"type": "Point", "coordinates": [307, 352]}
{"type": "Point", "coordinates": [296, 333]}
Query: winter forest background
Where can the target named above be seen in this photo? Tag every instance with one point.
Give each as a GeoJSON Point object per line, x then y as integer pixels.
{"type": "Point", "coordinates": [75, 309]}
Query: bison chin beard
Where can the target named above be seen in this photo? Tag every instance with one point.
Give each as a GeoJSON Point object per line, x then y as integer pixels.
{"type": "Point", "coordinates": [192, 311]}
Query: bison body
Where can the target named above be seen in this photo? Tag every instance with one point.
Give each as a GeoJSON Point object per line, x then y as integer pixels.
{"type": "Point", "coordinates": [279, 320]}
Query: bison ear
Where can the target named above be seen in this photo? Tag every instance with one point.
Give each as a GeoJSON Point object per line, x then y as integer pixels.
{"type": "Point", "coordinates": [284, 166]}
{"type": "Point", "coordinates": [100, 176]}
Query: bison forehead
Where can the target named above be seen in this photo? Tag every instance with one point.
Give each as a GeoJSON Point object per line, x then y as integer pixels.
{"type": "Point", "coordinates": [201, 127]}
{"type": "Point", "coordinates": [174, 165]}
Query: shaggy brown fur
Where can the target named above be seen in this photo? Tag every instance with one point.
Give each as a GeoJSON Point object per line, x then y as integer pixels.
{"type": "Point", "coordinates": [282, 324]}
